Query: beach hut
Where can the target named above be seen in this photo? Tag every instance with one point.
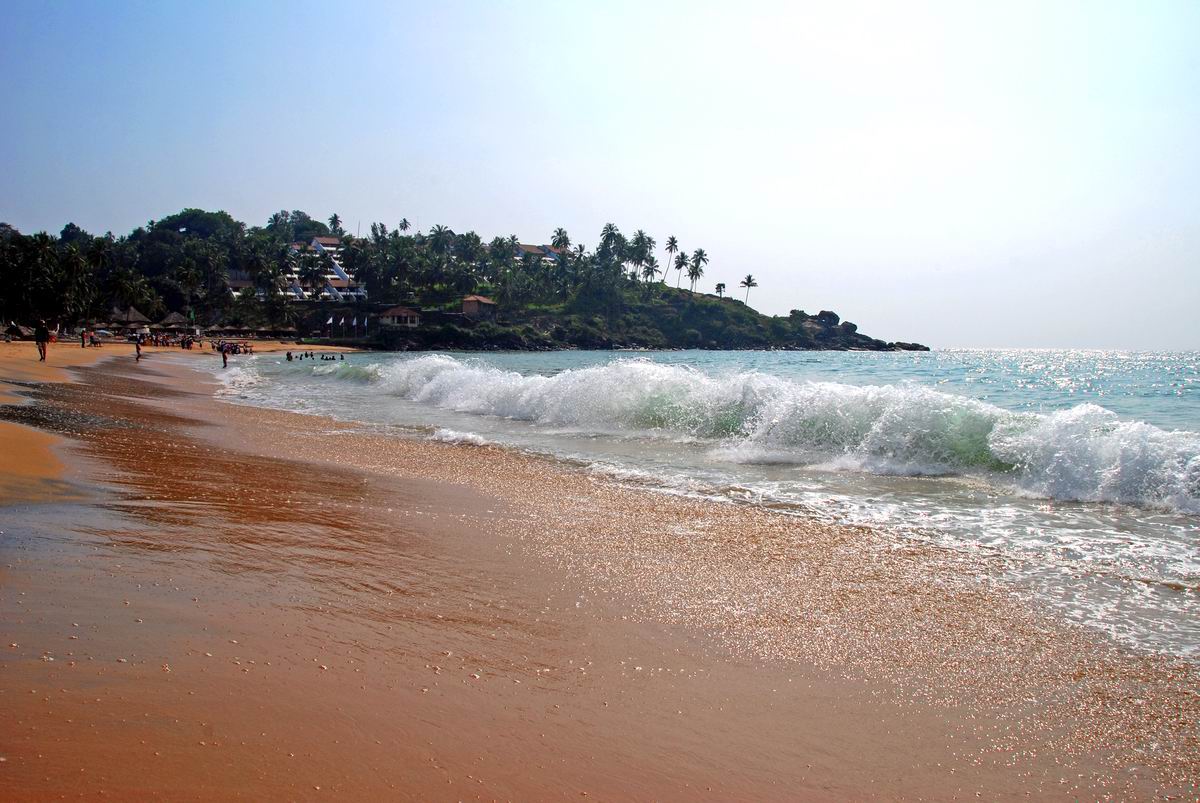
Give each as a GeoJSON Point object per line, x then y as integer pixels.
{"type": "Point", "coordinates": [478, 308]}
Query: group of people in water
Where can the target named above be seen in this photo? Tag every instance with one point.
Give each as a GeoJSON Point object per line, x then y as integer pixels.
{"type": "Point", "coordinates": [312, 356]}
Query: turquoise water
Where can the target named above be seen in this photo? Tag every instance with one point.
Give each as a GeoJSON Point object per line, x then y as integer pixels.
{"type": "Point", "coordinates": [1076, 472]}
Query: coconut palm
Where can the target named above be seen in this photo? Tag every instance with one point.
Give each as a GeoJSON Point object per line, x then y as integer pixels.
{"type": "Point", "coordinates": [681, 262]}
{"type": "Point", "coordinates": [561, 239]}
{"type": "Point", "coordinates": [650, 269]}
{"type": "Point", "coordinates": [699, 260]}
{"type": "Point", "coordinates": [441, 240]}
{"type": "Point", "coordinates": [609, 235]}
{"type": "Point", "coordinates": [335, 225]}
{"type": "Point", "coordinates": [748, 282]}
{"type": "Point", "coordinates": [672, 249]}
{"type": "Point", "coordinates": [76, 289]}
{"type": "Point", "coordinates": [404, 225]}
{"type": "Point", "coordinates": [312, 273]}
{"type": "Point", "coordinates": [720, 289]}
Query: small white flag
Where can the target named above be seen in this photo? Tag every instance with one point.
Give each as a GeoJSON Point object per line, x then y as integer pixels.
{"type": "Point", "coordinates": [329, 321]}
{"type": "Point", "coordinates": [355, 321]}
{"type": "Point", "coordinates": [343, 323]}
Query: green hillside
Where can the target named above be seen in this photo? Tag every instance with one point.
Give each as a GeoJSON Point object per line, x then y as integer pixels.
{"type": "Point", "coordinates": [291, 275]}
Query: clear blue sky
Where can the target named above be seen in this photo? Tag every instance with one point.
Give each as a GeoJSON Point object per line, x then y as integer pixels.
{"type": "Point", "coordinates": [1012, 174]}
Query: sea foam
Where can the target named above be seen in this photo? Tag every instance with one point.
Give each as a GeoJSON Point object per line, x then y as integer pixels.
{"type": "Point", "coordinates": [1084, 453]}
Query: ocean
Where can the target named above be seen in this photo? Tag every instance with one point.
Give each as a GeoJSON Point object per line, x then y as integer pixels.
{"type": "Point", "coordinates": [1074, 474]}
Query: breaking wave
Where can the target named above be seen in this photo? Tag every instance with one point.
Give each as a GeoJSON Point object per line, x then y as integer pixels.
{"type": "Point", "coordinates": [1085, 453]}
{"type": "Point", "coordinates": [444, 435]}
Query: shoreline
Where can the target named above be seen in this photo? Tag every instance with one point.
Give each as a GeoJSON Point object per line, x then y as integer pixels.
{"type": "Point", "coordinates": [686, 645]}
{"type": "Point", "coordinates": [31, 468]}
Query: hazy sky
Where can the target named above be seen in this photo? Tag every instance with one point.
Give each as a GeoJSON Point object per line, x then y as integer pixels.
{"type": "Point", "coordinates": [962, 174]}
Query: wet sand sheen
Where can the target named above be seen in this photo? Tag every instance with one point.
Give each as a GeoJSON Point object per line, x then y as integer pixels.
{"type": "Point", "coordinates": [304, 608]}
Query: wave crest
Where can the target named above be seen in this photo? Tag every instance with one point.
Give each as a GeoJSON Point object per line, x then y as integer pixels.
{"type": "Point", "coordinates": [1084, 453]}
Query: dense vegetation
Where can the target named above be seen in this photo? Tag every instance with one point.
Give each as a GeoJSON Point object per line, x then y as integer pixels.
{"type": "Point", "coordinates": [614, 295]}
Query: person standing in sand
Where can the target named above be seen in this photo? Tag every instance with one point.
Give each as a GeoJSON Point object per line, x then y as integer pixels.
{"type": "Point", "coordinates": [42, 336]}
{"type": "Point", "coordinates": [137, 346]}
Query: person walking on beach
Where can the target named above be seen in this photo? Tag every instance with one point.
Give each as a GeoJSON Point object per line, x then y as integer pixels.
{"type": "Point", "coordinates": [83, 338]}
{"type": "Point", "coordinates": [42, 336]}
{"type": "Point", "coordinates": [224, 357]}
{"type": "Point", "coordinates": [137, 345]}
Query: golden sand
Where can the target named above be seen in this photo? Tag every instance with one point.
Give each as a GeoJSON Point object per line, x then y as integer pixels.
{"type": "Point", "coordinates": [259, 604]}
{"type": "Point", "coordinates": [29, 465]}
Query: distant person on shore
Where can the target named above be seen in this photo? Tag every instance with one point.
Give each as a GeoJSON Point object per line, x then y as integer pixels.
{"type": "Point", "coordinates": [41, 335]}
{"type": "Point", "coordinates": [83, 338]}
{"type": "Point", "coordinates": [289, 356]}
{"type": "Point", "coordinates": [137, 347]}
{"type": "Point", "coordinates": [224, 357]}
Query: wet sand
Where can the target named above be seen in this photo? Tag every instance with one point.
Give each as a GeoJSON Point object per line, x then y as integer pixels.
{"type": "Point", "coordinates": [223, 602]}
{"type": "Point", "coordinates": [30, 468]}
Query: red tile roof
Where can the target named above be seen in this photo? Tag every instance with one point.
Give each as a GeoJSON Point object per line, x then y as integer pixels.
{"type": "Point", "coordinates": [480, 299]}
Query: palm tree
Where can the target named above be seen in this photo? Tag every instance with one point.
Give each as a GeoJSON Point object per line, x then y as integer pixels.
{"type": "Point", "coordinates": [561, 239]}
{"type": "Point", "coordinates": [129, 288]}
{"type": "Point", "coordinates": [312, 273]}
{"type": "Point", "coordinates": [335, 225]}
{"type": "Point", "coordinates": [672, 248]}
{"type": "Point", "coordinates": [404, 225]}
{"type": "Point", "coordinates": [699, 260]}
{"type": "Point", "coordinates": [650, 269]}
{"type": "Point", "coordinates": [720, 289]}
{"type": "Point", "coordinates": [681, 262]}
{"type": "Point", "coordinates": [637, 251]}
{"type": "Point", "coordinates": [76, 289]}
{"type": "Point", "coordinates": [609, 235]}
{"type": "Point", "coordinates": [441, 239]}
{"type": "Point", "coordinates": [748, 282]}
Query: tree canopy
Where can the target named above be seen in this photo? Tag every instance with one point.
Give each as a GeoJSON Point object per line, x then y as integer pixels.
{"type": "Point", "coordinates": [191, 261]}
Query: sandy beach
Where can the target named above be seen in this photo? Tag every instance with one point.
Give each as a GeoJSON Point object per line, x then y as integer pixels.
{"type": "Point", "coordinates": [206, 601]}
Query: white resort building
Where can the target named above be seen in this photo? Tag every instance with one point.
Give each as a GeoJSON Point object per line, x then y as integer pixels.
{"type": "Point", "coordinates": [338, 284]}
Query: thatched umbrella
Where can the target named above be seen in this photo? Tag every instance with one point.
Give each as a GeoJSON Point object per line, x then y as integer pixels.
{"type": "Point", "coordinates": [128, 318]}
{"type": "Point", "coordinates": [173, 321]}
